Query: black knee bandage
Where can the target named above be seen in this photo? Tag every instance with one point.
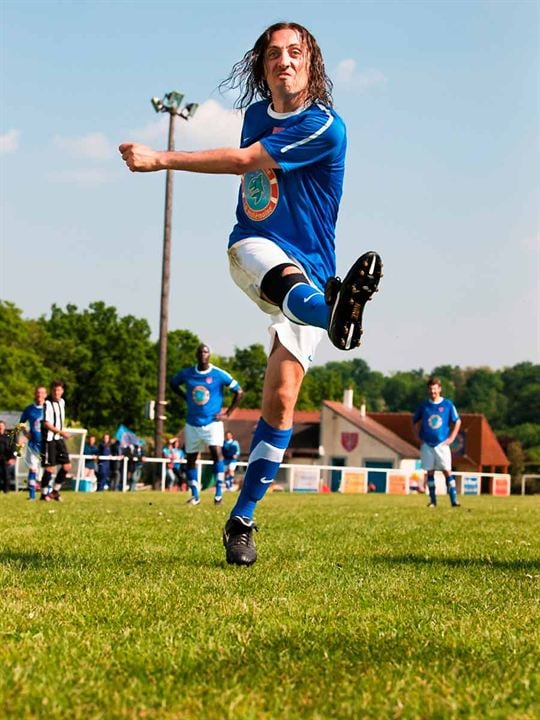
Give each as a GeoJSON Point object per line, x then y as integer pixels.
{"type": "Point", "coordinates": [276, 286]}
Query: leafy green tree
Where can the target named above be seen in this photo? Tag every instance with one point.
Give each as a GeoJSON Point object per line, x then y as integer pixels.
{"type": "Point", "coordinates": [322, 383]}
{"type": "Point", "coordinates": [528, 434]}
{"type": "Point", "coordinates": [404, 390]}
{"type": "Point", "coordinates": [515, 454]}
{"type": "Point", "coordinates": [522, 388]}
{"type": "Point", "coordinates": [484, 393]}
{"type": "Point", "coordinates": [248, 366]}
{"type": "Point", "coordinates": [107, 362]}
{"type": "Point", "coordinates": [20, 357]}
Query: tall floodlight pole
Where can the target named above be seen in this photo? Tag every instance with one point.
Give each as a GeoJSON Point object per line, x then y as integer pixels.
{"type": "Point", "coordinates": [171, 104]}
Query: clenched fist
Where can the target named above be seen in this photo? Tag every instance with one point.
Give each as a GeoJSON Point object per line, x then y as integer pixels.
{"type": "Point", "coordinates": [140, 158]}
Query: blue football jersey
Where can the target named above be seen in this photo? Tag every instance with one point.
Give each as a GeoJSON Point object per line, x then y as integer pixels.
{"type": "Point", "coordinates": [296, 205]}
{"type": "Point", "coordinates": [204, 392]}
{"type": "Point", "coordinates": [436, 420]}
{"type": "Point", "coordinates": [33, 415]}
{"type": "Point", "coordinates": [230, 449]}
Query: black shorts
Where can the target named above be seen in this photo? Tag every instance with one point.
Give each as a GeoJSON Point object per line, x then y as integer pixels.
{"type": "Point", "coordinates": [54, 452]}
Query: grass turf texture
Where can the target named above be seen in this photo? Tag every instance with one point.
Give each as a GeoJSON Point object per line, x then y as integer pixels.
{"type": "Point", "coordinates": [121, 606]}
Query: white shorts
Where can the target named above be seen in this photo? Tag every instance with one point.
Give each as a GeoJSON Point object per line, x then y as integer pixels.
{"type": "Point", "coordinates": [249, 261]}
{"type": "Point", "coordinates": [32, 458]}
{"type": "Point", "coordinates": [436, 458]}
{"type": "Point", "coordinates": [230, 465]}
{"type": "Point", "coordinates": [198, 438]}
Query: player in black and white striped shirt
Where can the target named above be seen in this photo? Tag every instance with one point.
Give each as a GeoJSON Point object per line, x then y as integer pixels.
{"type": "Point", "coordinates": [53, 448]}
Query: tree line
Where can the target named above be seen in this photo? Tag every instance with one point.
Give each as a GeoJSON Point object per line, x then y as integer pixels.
{"type": "Point", "coordinates": [109, 364]}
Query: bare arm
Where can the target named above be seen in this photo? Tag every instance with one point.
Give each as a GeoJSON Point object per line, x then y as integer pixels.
{"type": "Point", "coordinates": [229, 161]}
{"type": "Point", "coordinates": [455, 429]}
{"type": "Point", "coordinates": [237, 396]}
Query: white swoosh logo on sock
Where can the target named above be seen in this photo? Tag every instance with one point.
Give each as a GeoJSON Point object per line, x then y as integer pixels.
{"type": "Point", "coordinates": [264, 481]}
{"type": "Point", "coordinates": [310, 296]}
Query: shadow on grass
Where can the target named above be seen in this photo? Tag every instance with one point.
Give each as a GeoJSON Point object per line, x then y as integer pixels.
{"type": "Point", "coordinates": [33, 560]}
{"type": "Point", "coordinates": [45, 559]}
{"type": "Point", "coordinates": [489, 563]}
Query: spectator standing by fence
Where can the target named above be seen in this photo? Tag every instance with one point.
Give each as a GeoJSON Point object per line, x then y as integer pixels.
{"type": "Point", "coordinates": [104, 465]}
{"type": "Point", "coordinates": [7, 457]}
{"type": "Point", "coordinates": [231, 455]}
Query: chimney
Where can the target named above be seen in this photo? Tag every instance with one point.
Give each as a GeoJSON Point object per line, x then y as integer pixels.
{"type": "Point", "coordinates": [348, 398]}
{"type": "Point", "coordinates": [363, 410]}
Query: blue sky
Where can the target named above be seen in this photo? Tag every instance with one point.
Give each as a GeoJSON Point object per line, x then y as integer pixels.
{"type": "Point", "coordinates": [441, 102]}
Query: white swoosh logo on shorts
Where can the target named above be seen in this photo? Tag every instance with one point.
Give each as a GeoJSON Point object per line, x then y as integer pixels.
{"type": "Point", "coordinates": [310, 296]}
{"type": "Point", "coordinates": [264, 481]}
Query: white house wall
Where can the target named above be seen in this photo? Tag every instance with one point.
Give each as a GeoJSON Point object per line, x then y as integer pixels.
{"type": "Point", "coordinates": [367, 448]}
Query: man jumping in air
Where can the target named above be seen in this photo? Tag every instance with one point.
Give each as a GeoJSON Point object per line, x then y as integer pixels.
{"type": "Point", "coordinates": [281, 251]}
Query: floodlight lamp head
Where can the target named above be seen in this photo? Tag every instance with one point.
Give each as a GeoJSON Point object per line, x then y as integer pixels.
{"type": "Point", "coordinates": [174, 100]}
{"type": "Point", "coordinates": [191, 109]}
{"type": "Point", "coordinates": [157, 104]}
{"type": "Point", "coordinates": [188, 111]}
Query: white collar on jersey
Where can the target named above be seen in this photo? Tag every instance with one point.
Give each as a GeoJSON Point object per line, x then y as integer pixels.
{"type": "Point", "coordinates": [204, 372]}
{"type": "Point", "coordinates": [284, 116]}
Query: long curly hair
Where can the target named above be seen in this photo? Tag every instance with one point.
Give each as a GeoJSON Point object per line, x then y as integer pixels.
{"type": "Point", "coordinates": [247, 75]}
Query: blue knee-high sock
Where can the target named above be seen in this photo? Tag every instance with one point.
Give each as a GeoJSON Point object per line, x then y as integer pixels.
{"type": "Point", "coordinates": [266, 453]}
{"type": "Point", "coordinates": [431, 488]}
{"type": "Point", "coordinates": [452, 490]}
{"type": "Point", "coordinates": [31, 484]}
{"type": "Point", "coordinates": [192, 482]}
{"type": "Point", "coordinates": [219, 473]}
{"type": "Point", "coordinates": [305, 305]}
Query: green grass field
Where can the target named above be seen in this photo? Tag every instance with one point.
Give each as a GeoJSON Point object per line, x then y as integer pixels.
{"type": "Point", "coordinates": [121, 606]}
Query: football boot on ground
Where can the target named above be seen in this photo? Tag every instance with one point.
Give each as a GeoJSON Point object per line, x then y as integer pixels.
{"type": "Point", "coordinates": [238, 541]}
{"type": "Point", "coordinates": [347, 299]}
{"type": "Point", "coordinates": [218, 501]}
{"type": "Point", "coordinates": [431, 505]}
{"type": "Point", "coordinates": [55, 495]}
{"type": "Point", "coordinates": [193, 501]}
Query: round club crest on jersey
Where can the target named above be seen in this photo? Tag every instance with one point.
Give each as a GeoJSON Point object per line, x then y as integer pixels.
{"type": "Point", "coordinates": [200, 395]}
{"type": "Point", "coordinates": [434, 422]}
{"type": "Point", "coordinates": [260, 194]}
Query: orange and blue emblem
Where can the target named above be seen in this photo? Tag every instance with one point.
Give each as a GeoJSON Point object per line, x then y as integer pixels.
{"type": "Point", "coordinates": [260, 194]}
{"type": "Point", "coordinates": [200, 395]}
{"type": "Point", "coordinates": [434, 422]}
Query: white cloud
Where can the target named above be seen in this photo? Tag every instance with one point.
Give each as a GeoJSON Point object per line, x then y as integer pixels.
{"type": "Point", "coordinates": [94, 146]}
{"type": "Point", "coordinates": [81, 176]}
{"type": "Point", "coordinates": [348, 75]}
{"type": "Point", "coordinates": [211, 126]}
{"type": "Point", "coordinates": [9, 142]}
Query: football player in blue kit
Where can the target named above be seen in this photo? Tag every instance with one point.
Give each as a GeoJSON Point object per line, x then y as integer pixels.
{"type": "Point", "coordinates": [437, 423]}
{"type": "Point", "coordinates": [202, 386]}
{"type": "Point", "coordinates": [281, 250]}
{"type": "Point", "coordinates": [33, 415]}
{"type": "Point", "coordinates": [231, 454]}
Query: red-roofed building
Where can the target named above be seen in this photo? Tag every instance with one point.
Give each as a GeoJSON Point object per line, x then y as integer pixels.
{"type": "Point", "coordinates": [341, 435]}
{"type": "Point", "coordinates": [476, 448]}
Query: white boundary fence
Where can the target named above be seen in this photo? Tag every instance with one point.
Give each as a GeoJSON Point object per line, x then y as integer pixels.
{"type": "Point", "coordinates": [303, 478]}
{"type": "Point", "coordinates": [318, 478]}
{"type": "Point", "coordinates": [525, 479]}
